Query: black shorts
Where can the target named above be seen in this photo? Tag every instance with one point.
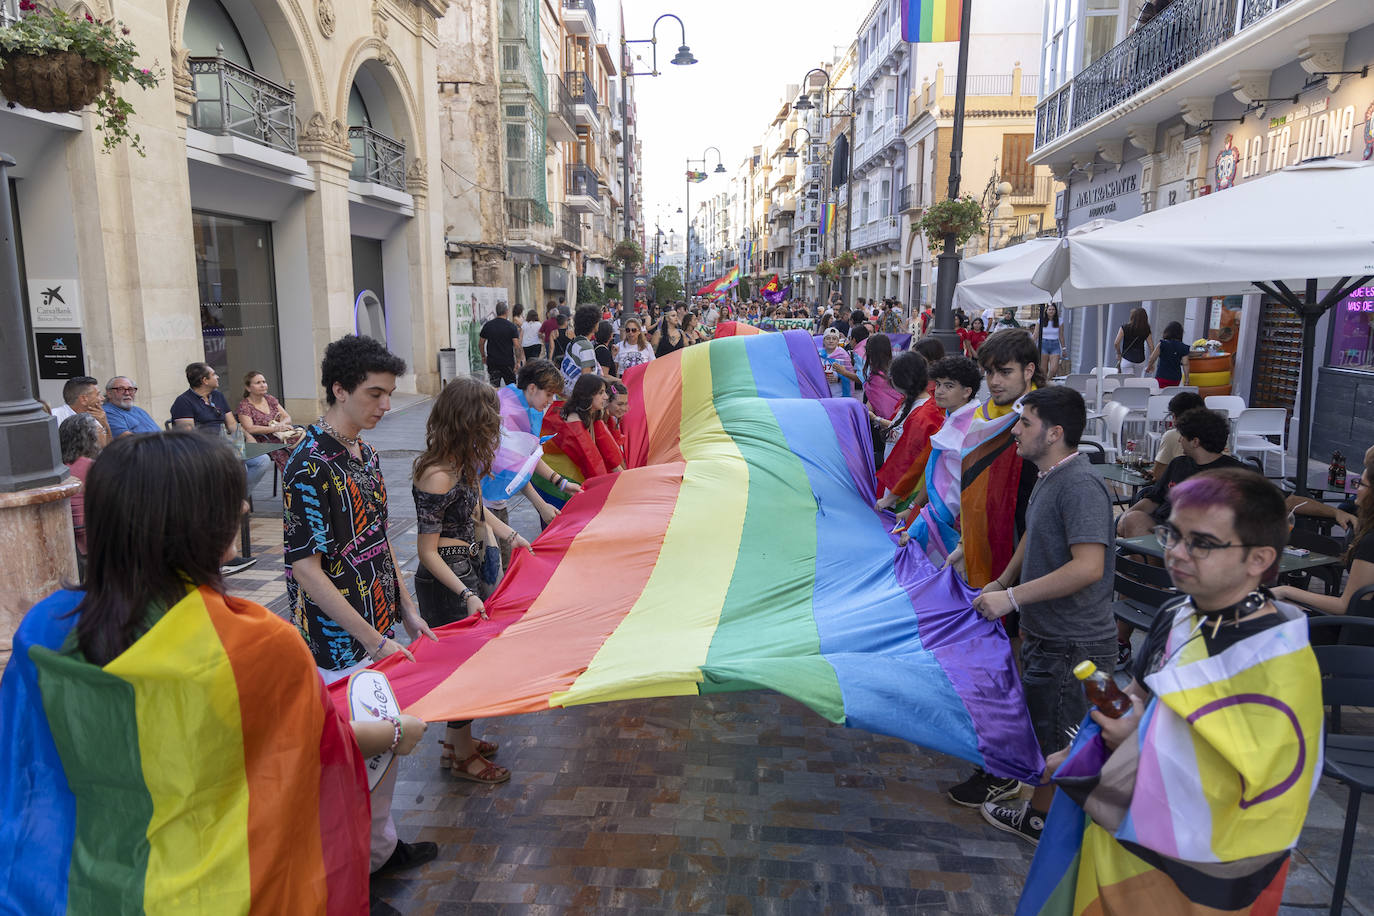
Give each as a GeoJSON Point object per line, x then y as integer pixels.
{"type": "Point", "coordinates": [501, 375]}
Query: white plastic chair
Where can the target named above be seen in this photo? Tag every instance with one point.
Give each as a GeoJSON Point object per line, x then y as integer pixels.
{"type": "Point", "coordinates": [1179, 389]}
{"type": "Point", "coordinates": [1078, 381]}
{"type": "Point", "coordinates": [1252, 430]}
{"type": "Point", "coordinates": [1156, 418]}
{"type": "Point", "coordinates": [1151, 384]}
{"type": "Point", "coordinates": [1114, 418]}
{"type": "Point", "coordinates": [1229, 404]}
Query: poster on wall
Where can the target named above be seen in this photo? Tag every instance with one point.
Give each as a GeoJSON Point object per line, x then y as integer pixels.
{"type": "Point", "coordinates": [55, 303]}
{"type": "Point", "coordinates": [59, 355]}
{"type": "Point", "coordinates": [469, 308]}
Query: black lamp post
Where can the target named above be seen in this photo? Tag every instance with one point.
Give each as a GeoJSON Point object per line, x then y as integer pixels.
{"type": "Point", "coordinates": [949, 258]}
{"type": "Point", "coordinates": [804, 103]}
{"type": "Point", "coordinates": [719, 170]}
{"type": "Point", "coordinates": [29, 453]}
{"type": "Point", "coordinates": [682, 58]}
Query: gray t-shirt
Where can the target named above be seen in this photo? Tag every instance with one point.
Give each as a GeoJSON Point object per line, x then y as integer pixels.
{"type": "Point", "coordinates": [1070, 506]}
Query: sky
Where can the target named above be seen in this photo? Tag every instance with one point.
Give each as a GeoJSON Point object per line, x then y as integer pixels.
{"type": "Point", "coordinates": [747, 53]}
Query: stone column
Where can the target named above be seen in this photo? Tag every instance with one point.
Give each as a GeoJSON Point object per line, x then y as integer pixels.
{"type": "Point", "coordinates": [39, 550]}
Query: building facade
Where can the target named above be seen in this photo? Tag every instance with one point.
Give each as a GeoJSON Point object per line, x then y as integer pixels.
{"type": "Point", "coordinates": [1140, 113]}
{"type": "Point", "coordinates": [295, 147]}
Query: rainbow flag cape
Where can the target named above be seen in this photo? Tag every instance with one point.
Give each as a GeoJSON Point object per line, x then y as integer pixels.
{"type": "Point", "coordinates": [1197, 814]}
{"type": "Point", "coordinates": [931, 20]}
{"type": "Point", "coordinates": [936, 529]}
{"type": "Point", "coordinates": [746, 555]}
{"type": "Point", "coordinates": [519, 450]}
{"type": "Point", "coordinates": [734, 329]}
{"type": "Point", "coordinates": [202, 771]}
{"type": "Point", "coordinates": [990, 474]}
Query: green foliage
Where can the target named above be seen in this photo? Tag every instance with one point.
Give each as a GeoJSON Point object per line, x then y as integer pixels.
{"type": "Point", "coordinates": [667, 285]}
{"type": "Point", "coordinates": [628, 252]}
{"type": "Point", "coordinates": [40, 31]}
{"type": "Point", "coordinates": [589, 291]}
{"type": "Point", "coordinates": [845, 260]}
{"type": "Point", "coordinates": [961, 218]}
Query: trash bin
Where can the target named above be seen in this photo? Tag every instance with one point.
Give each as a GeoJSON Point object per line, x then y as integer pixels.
{"type": "Point", "coordinates": [448, 365]}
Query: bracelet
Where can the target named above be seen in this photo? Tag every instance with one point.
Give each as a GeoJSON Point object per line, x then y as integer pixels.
{"type": "Point", "coordinates": [464, 595]}
{"type": "Point", "coordinates": [1012, 598]}
{"type": "Point", "coordinates": [398, 731]}
{"type": "Point", "coordinates": [562, 484]}
{"type": "Point", "coordinates": [557, 481]}
{"type": "Point", "coordinates": [373, 654]}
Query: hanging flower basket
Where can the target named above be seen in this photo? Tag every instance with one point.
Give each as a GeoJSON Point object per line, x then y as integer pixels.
{"type": "Point", "coordinates": [60, 81]}
{"type": "Point", "coordinates": [52, 61]}
{"type": "Point", "coordinates": [846, 259]}
{"type": "Point", "coordinates": [825, 270]}
{"type": "Point", "coordinates": [961, 218]}
{"type": "Point", "coordinates": [628, 252]}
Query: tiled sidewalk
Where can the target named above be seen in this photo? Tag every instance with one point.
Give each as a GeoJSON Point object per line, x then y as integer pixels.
{"type": "Point", "coordinates": [734, 803]}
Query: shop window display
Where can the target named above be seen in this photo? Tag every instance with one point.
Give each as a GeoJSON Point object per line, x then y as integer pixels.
{"type": "Point", "coordinates": [1352, 332]}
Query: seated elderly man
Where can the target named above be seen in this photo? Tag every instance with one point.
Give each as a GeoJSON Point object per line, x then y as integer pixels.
{"type": "Point", "coordinates": [126, 418]}
{"type": "Point", "coordinates": [82, 395]}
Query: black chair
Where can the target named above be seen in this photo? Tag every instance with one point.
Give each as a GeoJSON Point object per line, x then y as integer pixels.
{"type": "Point", "coordinates": [1095, 452]}
{"type": "Point", "coordinates": [1347, 680]}
{"type": "Point", "coordinates": [1140, 601]}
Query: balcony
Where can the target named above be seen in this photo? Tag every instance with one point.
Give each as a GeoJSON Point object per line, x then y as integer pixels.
{"type": "Point", "coordinates": [779, 238]}
{"type": "Point", "coordinates": [581, 190]}
{"type": "Point", "coordinates": [562, 121]}
{"type": "Point", "coordinates": [517, 64]}
{"type": "Point", "coordinates": [233, 101]}
{"type": "Point", "coordinates": [807, 260]}
{"type": "Point", "coordinates": [583, 96]}
{"type": "Point", "coordinates": [885, 231]}
{"type": "Point", "coordinates": [880, 146]}
{"type": "Point", "coordinates": [377, 158]}
{"type": "Point", "coordinates": [568, 226]}
{"type": "Point", "coordinates": [579, 17]}
{"type": "Point", "coordinates": [1031, 190]}
{"type": "Point", "coordinates": [1184, 32]}
{"type": "Point", "coordinates": [911, 197]}
{"type": "Point", "coordinates": [888, 42]}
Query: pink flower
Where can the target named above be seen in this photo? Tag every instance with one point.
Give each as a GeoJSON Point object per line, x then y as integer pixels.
{"type": "Point", "coordinates": [27, 6]}
{"type": "Point", "coordinates": [124, 29]}
{"type": "Point", "coordinates": [90, 18]}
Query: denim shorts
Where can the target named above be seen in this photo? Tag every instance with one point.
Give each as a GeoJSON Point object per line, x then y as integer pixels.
{"type": "Point", "coordinates": [1051, 347]}
{"type": "Point", "coordinates": [1053, 695]}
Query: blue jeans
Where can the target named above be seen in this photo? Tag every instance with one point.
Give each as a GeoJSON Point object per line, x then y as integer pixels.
{"type": "Point", "coordinates": [256, 469]}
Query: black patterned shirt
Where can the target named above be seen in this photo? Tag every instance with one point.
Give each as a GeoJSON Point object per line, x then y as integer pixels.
{"type": "Point", "coordinates": [335, 505]}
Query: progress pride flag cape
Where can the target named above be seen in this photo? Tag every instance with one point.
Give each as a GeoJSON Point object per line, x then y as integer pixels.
{"type": "Point", "coordinates": [746, 554]}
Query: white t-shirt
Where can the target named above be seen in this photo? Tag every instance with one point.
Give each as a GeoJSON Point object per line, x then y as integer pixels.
{"type": "Point", "coordinates": [626, 356]}
{"type": "Point", "coordinates": [529, 334]}
{"type": "Point", "coordinates": [62, 412]}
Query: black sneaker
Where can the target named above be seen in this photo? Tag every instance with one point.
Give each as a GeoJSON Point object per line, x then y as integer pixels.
{"type": "Point", "coordinates": [1024, 822]}
{"type": "Point", "coordinates": [408, 856]}
{"type": "Point", "coordinates": [982, 787]}
{"type": "Point", "coordinates": [237, 564]}
{"type": "Point", "coordinates": [1123, 655]}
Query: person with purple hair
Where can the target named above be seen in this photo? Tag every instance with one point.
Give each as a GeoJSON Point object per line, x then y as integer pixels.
{"type": "Point", "coordinates": [1195, 797]}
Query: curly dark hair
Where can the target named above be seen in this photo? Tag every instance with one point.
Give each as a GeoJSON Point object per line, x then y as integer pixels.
{"type": "Point", "coordinates": [580, 401]}
{"type": "Point", "coordinates": [349, 359]}
{"type": "Point", "coordinates": [542, 373]}
{"type": "Point", "coordinates": [959, 369]}
{"type": "Point", "coordinates": [1209, 427]}
{"type": "Point", "coordinates": [585, 320]}
{"type": "Point", "coordinates": [463, 431]}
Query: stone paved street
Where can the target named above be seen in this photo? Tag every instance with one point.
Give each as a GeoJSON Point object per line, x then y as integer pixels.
{"type": "Point", "coordinates": [734, 803]}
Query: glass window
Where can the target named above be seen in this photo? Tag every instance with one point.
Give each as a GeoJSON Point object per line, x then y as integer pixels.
{"type": "Point", "coordinates": [1352, 331]}
{"type": "Point", "coordinates": [238, 302]}
{"type": "Point", "coordinates": [1099, 30]}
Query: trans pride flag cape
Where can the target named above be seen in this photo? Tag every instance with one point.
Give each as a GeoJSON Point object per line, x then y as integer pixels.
{"type": "Point", "coordinates": [203, 771]}
{"type": "Point", "coordinates": [519, 450]}
{"type": "Point", "coordinates": [990, 472]}
{"type": "Point", "coordinates": [905, 466]}
{"type": "Point", "coordinates": [739, 551]}
{"type": "Point", "coordinates": [1197, 814]}
{"type": "Point", "coordinates": [936, 528]}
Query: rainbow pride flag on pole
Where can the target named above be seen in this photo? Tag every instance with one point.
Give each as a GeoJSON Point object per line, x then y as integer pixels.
{"type": "Point", "coordinates": [195, 773]}
{"type": "Point", "coordinates": [931, 20]}
{"type": "Point", "coordinates": [746, 555]}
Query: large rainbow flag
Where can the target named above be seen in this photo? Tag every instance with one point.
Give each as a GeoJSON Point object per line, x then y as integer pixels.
{"type": "Point", "coordinates": [1198, 813]}
{"type": "Point", "coordinates": [931, 20]}
{"type": "Point", "coordinates": [195, 773]}
{"type": "Point", "coordinates": [739, 551]}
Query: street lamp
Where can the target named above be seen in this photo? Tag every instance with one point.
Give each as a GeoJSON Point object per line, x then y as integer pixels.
{"type": "Point", "coordinates": [792, 142]}
{"type": "Point", "coordinates": [682, 58]}
{"type": "Point", "coordinates": [719, 170]}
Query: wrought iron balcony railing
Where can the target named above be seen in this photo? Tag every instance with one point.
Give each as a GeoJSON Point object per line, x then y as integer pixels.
{"type": "Point", "coordinates": [569, 225]}
{"type": "Point", "coordinates": [911, 197]}
{"type": "Point", "coordinates": [525, 213]}
{"type": "Point", "coordinates": [580, 88]}
{"type": "Point", "coordinates": [377, 158]}
{"type": "Point", "coordinates": [1030, 189]}
{"type": "Point", "coordinates": [582, 181]}
{"type": "Point", "coordinates": [586, 5]}
{"type": "Point", "coordinates": [560, 100]}
{"type": "Point", "coordinates": [234, 101]}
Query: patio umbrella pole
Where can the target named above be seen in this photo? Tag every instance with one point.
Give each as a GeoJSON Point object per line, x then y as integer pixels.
{"type": "Point", "coordinates": [1310, 309]}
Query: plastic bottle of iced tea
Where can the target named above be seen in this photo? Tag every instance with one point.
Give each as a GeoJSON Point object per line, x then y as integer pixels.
{"type": "Point", "coordinates": [1102, 691]}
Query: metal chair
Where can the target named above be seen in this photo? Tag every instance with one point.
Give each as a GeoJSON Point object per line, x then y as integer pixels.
{"type": "Point", "coordinates": [1347, 673]}
{"type": "Point", "coordinates": [1250, 432]}
{"type": "Point", "coordinates": [1141, 592]}
{"type": "Point", "coordinates": [1094, 450]}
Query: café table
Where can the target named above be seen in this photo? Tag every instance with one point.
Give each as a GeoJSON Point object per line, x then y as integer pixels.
{"type": "Point", "coordinates": [253, 450]}
{"type": "Point", "coordinates": [1117, 473]}
{"type": "Point", "coordinates": [1323, 491]}
{"type": "Point", "coordinates": [1149, 545]}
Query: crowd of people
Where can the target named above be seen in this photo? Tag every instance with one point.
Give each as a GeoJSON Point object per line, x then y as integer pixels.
{"type": "Point", "coordinates": [996, 488]}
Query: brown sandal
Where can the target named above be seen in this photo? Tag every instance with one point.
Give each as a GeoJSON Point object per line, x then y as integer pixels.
{"type": "Point", "coordinates": [490, 775]}
{"type": "Point", "coordinates": [485, 748]}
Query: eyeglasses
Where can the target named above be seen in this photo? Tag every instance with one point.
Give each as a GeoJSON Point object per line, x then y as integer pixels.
{"type": "Point", "coordinates": [130, 390]}
{"type": "Point", "coordinates": [1197, 547]}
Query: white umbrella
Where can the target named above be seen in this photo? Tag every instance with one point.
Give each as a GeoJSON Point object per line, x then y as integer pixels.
{"type": "Point", "coordinates": [981, 263]}
{"type": "Point", "coordinates": [1308, 224]}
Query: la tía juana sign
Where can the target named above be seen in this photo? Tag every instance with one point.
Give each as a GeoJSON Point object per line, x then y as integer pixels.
{"type": "Point", "coordinates": [1326, 126]}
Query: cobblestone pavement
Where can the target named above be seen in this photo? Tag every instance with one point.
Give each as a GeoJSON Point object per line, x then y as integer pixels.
{"type": "Point", "coordinates": [734, 803]}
